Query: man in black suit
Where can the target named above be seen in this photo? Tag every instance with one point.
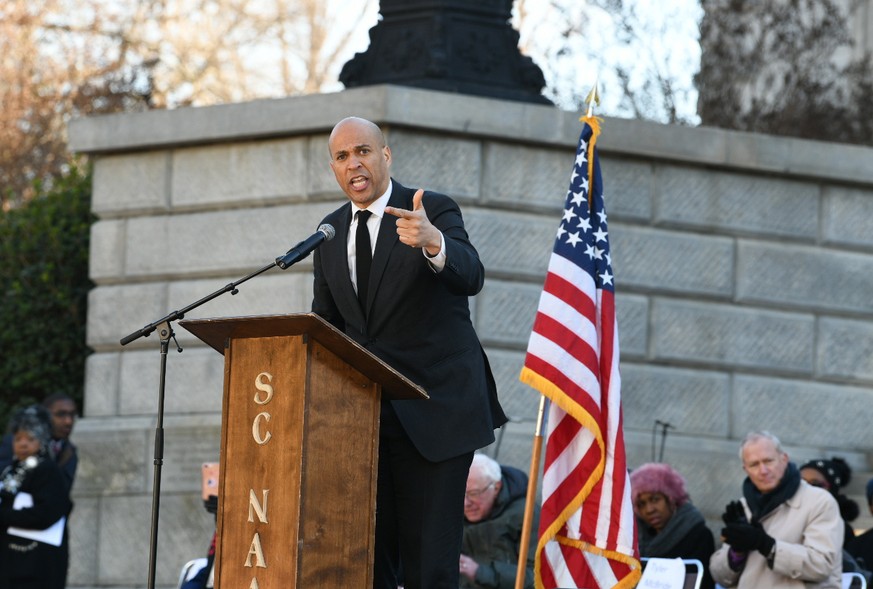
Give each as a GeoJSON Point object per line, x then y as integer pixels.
{"type": "Point", "coordinates": [399, 287]}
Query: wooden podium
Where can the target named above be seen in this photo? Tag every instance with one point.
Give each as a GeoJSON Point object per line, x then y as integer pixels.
{"type": "Point", "coordinates": [299, 452]}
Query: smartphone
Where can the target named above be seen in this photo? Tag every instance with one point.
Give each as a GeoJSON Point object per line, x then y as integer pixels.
{"type": "Point", "coordinates": [210, 479]}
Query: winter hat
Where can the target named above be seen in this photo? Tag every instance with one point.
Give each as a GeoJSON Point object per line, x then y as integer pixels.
{"type": "Point", "coordinates": [836, 471]}
{"type": "Point", "coordinates": [658, 478]}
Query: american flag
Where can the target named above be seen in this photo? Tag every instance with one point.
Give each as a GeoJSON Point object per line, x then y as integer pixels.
{"type": "Point", "coordinates": [587, 535]}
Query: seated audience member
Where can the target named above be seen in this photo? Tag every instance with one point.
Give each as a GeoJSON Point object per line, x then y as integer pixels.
{"type": "Point", "coordinates": [831, 475]}
{"type": "Point", "coordinates": [861, 547]}
{"type": "Point", "coordinates": [204, 578]}
{"type": "Point", "coordinates": [785, 533]}
{"type": "Point", "coordinates": [33, 497]}
{"type": "Point", "coordinates": [669, 525]}
{"type": "Point", "coordinates": [493, 518]}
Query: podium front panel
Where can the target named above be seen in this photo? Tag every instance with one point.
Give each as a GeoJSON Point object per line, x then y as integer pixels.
{"type": "Point", "coordinates": [298, 467]}
{"type": "Point", "coordinates": [338, 502]}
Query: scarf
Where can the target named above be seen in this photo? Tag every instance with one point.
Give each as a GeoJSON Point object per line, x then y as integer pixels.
{"type": "Point", "coordinates": [13, 476]}
{"type": "Point", "coordinates": [677, 528]}
{"type": "Point", "coordinates": [760, 504]}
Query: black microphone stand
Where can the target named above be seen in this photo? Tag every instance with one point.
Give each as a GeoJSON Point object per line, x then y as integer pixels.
{"type": "Point", "coordinates": [165, 332]}
{"type": "Point", "coordinates": [664, 427]}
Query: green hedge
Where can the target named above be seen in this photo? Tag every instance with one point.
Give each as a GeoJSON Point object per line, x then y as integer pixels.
{"type": "Point", "coordinates": [44, 286]}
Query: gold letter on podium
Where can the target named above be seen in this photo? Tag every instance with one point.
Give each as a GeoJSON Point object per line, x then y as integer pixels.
{"type": "Point", "coordinates": [260, 509]}
{"type": "Point", "coordinates": [256, 550]}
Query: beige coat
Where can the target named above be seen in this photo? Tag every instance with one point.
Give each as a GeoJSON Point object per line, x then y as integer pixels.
{"type": "Point", "coordinates": [809, 545]}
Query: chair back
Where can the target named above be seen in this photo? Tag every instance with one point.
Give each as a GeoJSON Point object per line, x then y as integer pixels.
{"type": "Point", "coordinates": [854, 581]}
{"type": "Point", "coordinates": [693, 572]}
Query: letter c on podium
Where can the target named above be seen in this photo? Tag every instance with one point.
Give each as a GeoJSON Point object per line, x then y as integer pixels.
{"type": "Point", "coordinates": [261, 438]}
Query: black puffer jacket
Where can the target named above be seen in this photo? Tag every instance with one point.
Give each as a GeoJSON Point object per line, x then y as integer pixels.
{"type": "Point", "coordinates": [494, 542]}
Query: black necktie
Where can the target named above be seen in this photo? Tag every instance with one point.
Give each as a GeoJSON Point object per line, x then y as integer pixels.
{"type": "Point", "coordinates": [363, 257]}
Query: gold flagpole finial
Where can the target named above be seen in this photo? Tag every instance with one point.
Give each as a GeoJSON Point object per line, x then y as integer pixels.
{"type": "Point", "coordinates": [592, 99]}
{"type": "Point", "coordinates": [593, 122]}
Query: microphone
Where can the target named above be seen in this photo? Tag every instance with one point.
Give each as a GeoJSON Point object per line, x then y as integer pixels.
{"type": "Point", "coordinates": [304, 248]}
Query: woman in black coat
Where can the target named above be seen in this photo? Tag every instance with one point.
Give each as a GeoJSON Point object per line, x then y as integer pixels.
{"type": "Point", "coordinates": [33, 498]}
{"type": "Point", "coordinates": [669, 526]}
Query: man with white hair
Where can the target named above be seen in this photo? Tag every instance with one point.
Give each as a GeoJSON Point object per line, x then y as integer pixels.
{"type": "Point", "coordinates": [784, 533]}
{"type": "Point", "coordinates": [493, 517]}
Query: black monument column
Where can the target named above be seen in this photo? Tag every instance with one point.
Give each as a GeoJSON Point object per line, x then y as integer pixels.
{"type": "Point", "coordinates": [464, 46]}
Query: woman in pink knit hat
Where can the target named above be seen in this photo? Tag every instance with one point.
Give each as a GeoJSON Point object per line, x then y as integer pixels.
{"type": "Point", "coordinates": [669, 525]}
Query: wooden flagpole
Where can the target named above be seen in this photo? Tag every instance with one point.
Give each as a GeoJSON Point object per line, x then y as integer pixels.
{"type": "Point", "coordinates": [531, 498]}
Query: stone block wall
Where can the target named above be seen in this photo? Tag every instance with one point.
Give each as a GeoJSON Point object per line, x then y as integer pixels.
{"type": "Point", "coordinates": [743, 270]}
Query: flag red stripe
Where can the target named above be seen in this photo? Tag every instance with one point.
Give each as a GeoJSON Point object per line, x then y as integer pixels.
{"type": "Point", "coordinates": [568, 488]}
{"type": "Point", "coordinates": [570, 293]}
{"type": "Point", "coordinates": [552, 374]}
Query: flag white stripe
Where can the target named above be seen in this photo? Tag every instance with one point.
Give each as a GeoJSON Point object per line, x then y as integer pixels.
{"type": "Point", "coordinates": [572, 273]}
{"type": "Point", "coordinates": [613, 400]}
{"type": "Point", "coordinates": [601, 570]}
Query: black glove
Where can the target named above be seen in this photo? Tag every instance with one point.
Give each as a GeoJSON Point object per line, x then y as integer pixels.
{"type": "Point", "coordinates": [746, 537]}
{"type": "Point", "coordinates": [734, 513]}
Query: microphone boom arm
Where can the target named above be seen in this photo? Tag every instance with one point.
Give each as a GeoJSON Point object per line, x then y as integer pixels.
{"type": "Point", "coordinates": [180, 314]}
{"type": "Point", "coordinates": [295, 254]}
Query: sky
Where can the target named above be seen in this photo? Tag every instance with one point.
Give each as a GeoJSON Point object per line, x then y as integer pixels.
{"type": "Point", "coordinates": [666, 41]}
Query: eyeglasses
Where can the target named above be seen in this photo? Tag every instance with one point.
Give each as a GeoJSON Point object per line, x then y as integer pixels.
{"type": "Point", "coordinates": [477, 494]}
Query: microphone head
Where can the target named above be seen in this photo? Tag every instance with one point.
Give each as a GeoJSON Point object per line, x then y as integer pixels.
{"type": "Point", "coordinates": [328, 231]}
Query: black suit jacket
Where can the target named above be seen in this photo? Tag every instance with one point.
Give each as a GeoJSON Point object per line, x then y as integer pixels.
{"type": "Point", "coordinates": [418, 321]}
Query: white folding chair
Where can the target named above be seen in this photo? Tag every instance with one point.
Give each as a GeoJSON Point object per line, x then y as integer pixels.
{"type": "Point", "coordinates": [693, 571]}
{"type": "Point", "coordinates": [854, 581]}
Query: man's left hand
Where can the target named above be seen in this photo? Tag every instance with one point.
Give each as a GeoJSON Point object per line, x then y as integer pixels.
{"type": "Point", "coordinates": [414, 228]}
{"type": "Point", "coordinates": [469, 567]}
{"type": "Point", "coordinates": [746, 537]}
